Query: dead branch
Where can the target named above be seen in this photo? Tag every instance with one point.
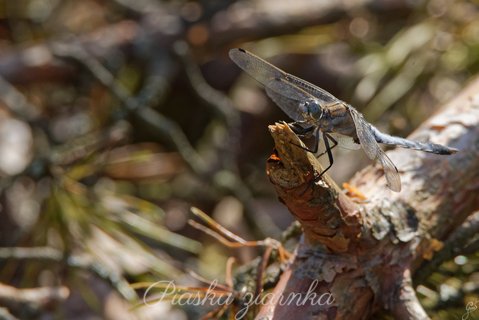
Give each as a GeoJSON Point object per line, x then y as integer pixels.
{"type": "Point", "coordinates": [364, 253]}
{"type": "Point", "coordinates": [48, 255]}
{"type": "Point", "coordinates": [459, 242]}
{"type": "Point", "coordinates": [38, 63]}
{"type": "Point", "coordinates": [292, 171]}
{"type": "Point", "coordinates": [259, 19]}
{"type": "Point", "coordinates": [161, 26]}
{"type": "Point", "coordinates": [403, 301]}
{"type": "Point", "coordinates": [6, 315]}
{"type": "Point", "coordinates": [139, 107]}
{"type": "Point", "coordinates": [28, 302]}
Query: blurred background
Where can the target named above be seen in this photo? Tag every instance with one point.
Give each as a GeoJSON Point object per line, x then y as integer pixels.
{"type": "Point", "coordinates": [117, 116]}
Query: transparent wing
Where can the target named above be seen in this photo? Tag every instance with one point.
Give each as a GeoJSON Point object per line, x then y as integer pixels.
{"type": "Point", "coordinates": [345, 142]}
{"type": "Point", "coordinates": [291, 98]}
{"type": "Point", "coordinates": [256, 67]}
{"type": "Point", "coordinates": [319, 93]}
{"type": "Point", "coordinates": [289, 106]}
{"type": "Point", "coordinates": [374, 151]}
{"type": "Point", "coordinates": [264, 72]}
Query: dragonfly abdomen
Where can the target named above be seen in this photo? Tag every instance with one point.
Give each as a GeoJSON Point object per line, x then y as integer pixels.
{"type": "Point", "coordinates": [410, 144]}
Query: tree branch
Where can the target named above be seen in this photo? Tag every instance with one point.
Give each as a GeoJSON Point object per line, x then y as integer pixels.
{"type": "Point", "coordinates": [28, 302]}
{"type": "Point", "coordinates": [317, 206]}
{"type": "Point", "coordinates": [51, 255]}
{"type": "Point", "coordinates": [458, 242]}
{"type": "Point", "coordinates": [404, 303]}
{"type": "Point", "coordinates": [364, 252]}
{"type": "Point", "coordinates": [249, 20]}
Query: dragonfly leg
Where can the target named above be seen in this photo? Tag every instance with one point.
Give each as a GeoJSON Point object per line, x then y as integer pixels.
{"type": "Point", "coordinates": [328, 138]}
{"type": "Point", "coordinates": [316, 142]}
{"type": "Point", "coordinates": [299, 130]}
{"type": "Point", "coordinates": [335, 143]}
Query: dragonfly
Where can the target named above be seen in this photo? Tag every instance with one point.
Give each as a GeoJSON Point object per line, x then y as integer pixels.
{"type": "Point", "coordinates": [316, 112]}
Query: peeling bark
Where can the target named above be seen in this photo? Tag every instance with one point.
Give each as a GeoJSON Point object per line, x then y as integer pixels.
{"type": "Point", "coordinates": [364, 253]}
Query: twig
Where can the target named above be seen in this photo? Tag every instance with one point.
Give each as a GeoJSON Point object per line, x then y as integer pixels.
{"type": "Point", "coordinates": [140, 6]}
{"type": "Point", "coordinates": [6, 315]}
{"type": "Point", "coordinates": [471, 248]}
{"type": "Point", "coordinates": [75, 50]}
{"type": "Point", "coordinates": [167, 128]}
{"type": "Point", "coordinates": [458, 243]}
{"type": "Point", "coordinates": [405, 304]}
{"type": "Point", "coordinates": [16, 101]}
{"type": "Point", "coordinates": [222, 234]}
{"type": "Point", "coordinates": [28, 302]}
{"type": "Point", "coordinates": [41, 254]}
{"type": "Point", "coordinates": [249, 20]}
{"type": "Point", "coordinates": [223, 106]}
{"type": "Point", "coordinates": [208, 282]}
{"type": "Point", "coordinates": [218, 101]}
{"type": "Point", "coordinates": [261, 270]}
{"type": "Point", "coordinates": [215, 225]}
{"type": "Point", "coordinates": [229, 272]}
{"type": "Point", "coordinates": [51, 255]}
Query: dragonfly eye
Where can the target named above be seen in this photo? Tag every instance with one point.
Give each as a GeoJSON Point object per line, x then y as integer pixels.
{"type": "Point", "coordinates": [314, 109]}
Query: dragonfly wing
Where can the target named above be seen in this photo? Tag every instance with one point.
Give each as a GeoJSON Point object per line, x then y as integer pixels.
{"type": "Point", "coordinates": [391, 172]}
{"type": "Point", "coordinates": [290, 98]}
{"type": "Point", "coordinates": [374, 151]}
{"type": "Point", "coordinates": [345, 142]}
{"type": "Point", "coordinates": [256, 67]}
{"type": "Point", "coordinates": [319, 93]}
{"type": "Point", "coordinates": [289, 106]}
{"type": "Point", "coordinates": [264, 72]}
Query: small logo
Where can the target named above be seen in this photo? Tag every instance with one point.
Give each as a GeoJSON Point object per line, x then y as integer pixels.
{"type": "Point", "coordinates": [470, 308]}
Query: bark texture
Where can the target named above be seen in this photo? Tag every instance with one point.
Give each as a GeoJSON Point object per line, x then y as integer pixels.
{"type": "Point", "coordinates": [364, 252]}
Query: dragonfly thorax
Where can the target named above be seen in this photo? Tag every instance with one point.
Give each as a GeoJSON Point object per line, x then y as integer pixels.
{"type": "Point", "coordinates": [311, 110]}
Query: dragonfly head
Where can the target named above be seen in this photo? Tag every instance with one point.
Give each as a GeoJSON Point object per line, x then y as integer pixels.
{"type": "Point", "coordinates": [312, 111]}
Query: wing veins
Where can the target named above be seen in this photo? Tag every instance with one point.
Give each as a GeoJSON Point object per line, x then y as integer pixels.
{"type": "Point", "coordinates": [264, 72]}
{"type": "Point", "coordinates": [374, 151]}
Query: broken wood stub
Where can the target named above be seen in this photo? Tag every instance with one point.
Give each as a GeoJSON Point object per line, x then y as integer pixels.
{"type": "Point", "coordinates": [327, 216]}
